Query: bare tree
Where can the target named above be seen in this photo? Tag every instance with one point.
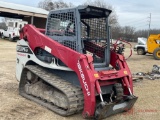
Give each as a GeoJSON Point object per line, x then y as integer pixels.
{"type": "Point", "coordinates": [127, 32]}
{"type": "Point", "coordinates": [115, 31]}
{"type": "Point", "coordinates": [144, 33]}
{"type": "Point", "coordinates": [52, 5]}
{"type": "Point", "coordinates": [46, 4]}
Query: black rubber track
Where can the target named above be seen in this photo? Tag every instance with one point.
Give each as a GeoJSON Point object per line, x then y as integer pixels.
{"type": "Point", "coordinates": [74, 94]}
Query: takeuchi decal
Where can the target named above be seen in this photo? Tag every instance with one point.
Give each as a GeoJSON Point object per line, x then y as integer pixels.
{"type": "Point", "coordinates": [83, 78]}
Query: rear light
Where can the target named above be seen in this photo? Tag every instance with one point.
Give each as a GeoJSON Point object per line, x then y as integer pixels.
{"type": "Point", "coordinates": [13, 34]}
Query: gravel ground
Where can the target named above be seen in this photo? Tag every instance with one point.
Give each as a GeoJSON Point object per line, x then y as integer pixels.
{"type": "Point", "coordinates": [15, 107]}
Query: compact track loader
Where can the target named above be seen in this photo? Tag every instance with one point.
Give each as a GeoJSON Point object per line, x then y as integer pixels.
{"type": "Point", "coordinates": [71, 66]}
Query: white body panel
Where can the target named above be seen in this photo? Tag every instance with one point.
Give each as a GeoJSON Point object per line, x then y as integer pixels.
{"type": "Point", "coordinates": [142, 41]}
{"type": "Point", "coordinates": [1, 30]}
{"type": "Point", "coordinates": [23, 58]}
{"type": "Point", "coordinates": [141, 44]}
{"type": "Point", "coordinates": [13, 28]}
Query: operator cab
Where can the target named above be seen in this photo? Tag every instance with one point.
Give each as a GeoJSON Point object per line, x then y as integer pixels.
{"type": "Point", "coordinates": [83, 29]}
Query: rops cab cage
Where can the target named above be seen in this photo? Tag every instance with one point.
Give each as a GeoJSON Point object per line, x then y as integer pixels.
{"type": "Point", "coordinates": [84, 29]}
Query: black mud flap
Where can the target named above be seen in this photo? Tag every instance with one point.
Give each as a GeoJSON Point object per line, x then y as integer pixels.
{"type": "Point", "coordinates": [104, 109]}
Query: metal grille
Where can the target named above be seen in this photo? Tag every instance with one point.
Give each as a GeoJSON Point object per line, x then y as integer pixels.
{"type": "Point", "coordinates": [96, 30]}
{"type": "Point", "coordinates": [61, 27]}
{"type": "Point", "coordinates": [70, 44]}
{"type": "Point", "coordinates": [94, 34]}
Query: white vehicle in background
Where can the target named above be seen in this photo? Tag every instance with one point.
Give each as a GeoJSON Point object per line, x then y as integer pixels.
{"type": "Point", "coordinates": [141, 47]}
{"type": "Point", "coordinates": [12, 31]}
{"type": "Point", "coordinates": [1, 31]}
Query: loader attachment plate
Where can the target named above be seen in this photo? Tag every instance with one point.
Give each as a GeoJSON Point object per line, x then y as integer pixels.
{"type": "Point", "coordinates": [104, 109]}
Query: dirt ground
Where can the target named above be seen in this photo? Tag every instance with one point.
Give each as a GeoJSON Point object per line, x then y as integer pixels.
{"type": "Point", "coordinates": [15, 107]}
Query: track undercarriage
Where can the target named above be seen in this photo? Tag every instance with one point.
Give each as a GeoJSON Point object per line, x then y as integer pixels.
{"type": "Point", "coordinates": [49, 90]}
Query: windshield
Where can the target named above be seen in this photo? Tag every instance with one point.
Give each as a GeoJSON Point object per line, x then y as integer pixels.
{"type": "Point", "coordinates": [142, 41]}
{"type": "Point", "coordinates": [94, 36]}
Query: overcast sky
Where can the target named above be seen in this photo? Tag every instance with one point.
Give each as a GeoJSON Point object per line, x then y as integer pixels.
{"type": "Point", "coordinates": [129, 12]}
